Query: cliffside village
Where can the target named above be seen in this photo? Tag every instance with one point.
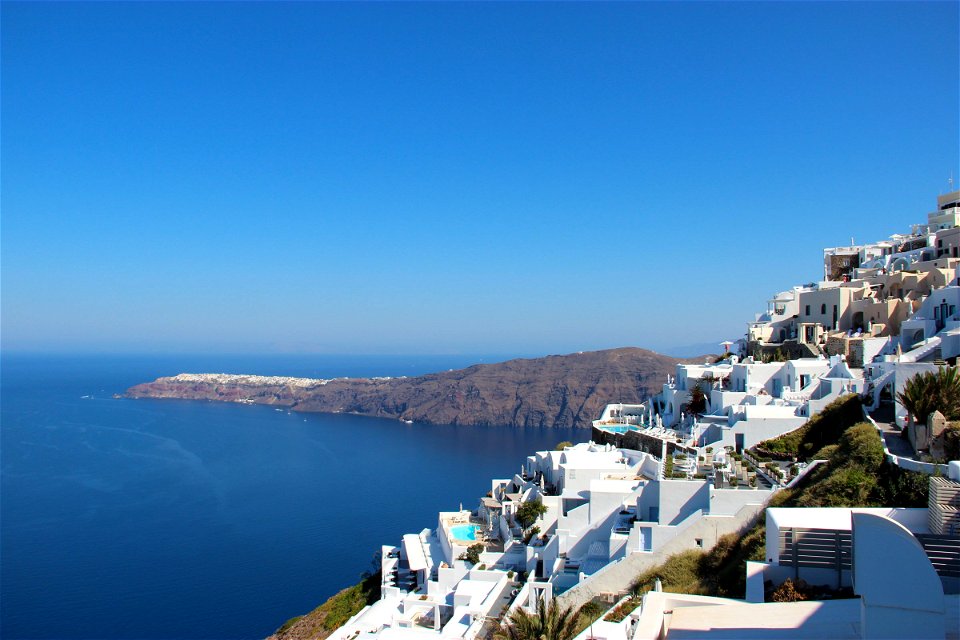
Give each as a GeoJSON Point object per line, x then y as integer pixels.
{"type": "Point", "coordinates": [675, 473]}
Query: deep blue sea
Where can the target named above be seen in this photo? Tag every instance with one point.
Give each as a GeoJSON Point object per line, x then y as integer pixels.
{"type": "Point", "coordinates": [177, 519]}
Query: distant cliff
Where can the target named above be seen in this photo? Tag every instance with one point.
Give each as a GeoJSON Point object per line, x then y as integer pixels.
{"type": "Point", "coordinates": [555, 391]}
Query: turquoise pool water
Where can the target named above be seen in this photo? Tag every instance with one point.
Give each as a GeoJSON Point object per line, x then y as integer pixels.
{"type": "Point", "coordinates": [465, 532]}
{"type": "Point", "coordinates": [619, 429]}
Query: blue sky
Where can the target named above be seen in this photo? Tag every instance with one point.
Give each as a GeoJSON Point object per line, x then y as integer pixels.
{"type": "Point", "coordinates": [452, 178]}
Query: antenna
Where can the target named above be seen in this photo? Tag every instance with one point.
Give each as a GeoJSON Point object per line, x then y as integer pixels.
{"type": "Point", "coordinates": [950, 181]}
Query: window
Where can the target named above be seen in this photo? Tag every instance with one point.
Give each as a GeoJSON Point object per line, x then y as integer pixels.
{"type": "Point", "coordinates": [699, 542]}
{"type": "Point", "coordinates": [807, 310]}
{"type": "Point", "coordinates": [823, 308]}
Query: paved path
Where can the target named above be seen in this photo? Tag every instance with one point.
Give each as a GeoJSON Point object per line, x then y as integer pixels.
{"type": "Point", "coordinates": [896, 444]}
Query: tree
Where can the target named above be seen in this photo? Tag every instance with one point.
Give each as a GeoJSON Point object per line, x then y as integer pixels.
{"type": "Point", "coordinates": [927, 392]}
{"type": "Point", "coordinates": [472, 554]}
{"type": "Point", "coordinates": [697, 404]}
{"type": "Point", "coordinates": [548, 623]}
{"type": "Point", "coordinates": [529, 511]}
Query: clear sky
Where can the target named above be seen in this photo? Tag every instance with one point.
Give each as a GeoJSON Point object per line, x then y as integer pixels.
{"type": "Point", "coordinates": [452, 178]}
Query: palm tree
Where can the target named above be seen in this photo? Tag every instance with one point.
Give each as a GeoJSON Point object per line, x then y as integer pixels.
{"type": "Point", "coordinates": [697, 404]}
{"type": "Point", "coordinates": [916, 396]}
{"type": "Point", "coordinates": [928, 392]}
{"type": "Point", "coordinates": [548, 623]}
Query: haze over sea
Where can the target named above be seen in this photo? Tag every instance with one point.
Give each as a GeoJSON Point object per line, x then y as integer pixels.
{"type": "Point", "coordinates": [176, 519]}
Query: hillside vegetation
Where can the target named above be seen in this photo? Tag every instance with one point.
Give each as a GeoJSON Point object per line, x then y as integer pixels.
{"type": "Point", "coordinates": [856, 475]}
{"type": "Point", "coordinates": [819, 431]}
{"type": "Point", "coordinates": [332, 614]}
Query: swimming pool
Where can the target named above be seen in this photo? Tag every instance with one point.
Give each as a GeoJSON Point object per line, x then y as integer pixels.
{"type": "Point", "coordinates": [464, 532]}
{"type": "Point", "coordinates": [619, 429]}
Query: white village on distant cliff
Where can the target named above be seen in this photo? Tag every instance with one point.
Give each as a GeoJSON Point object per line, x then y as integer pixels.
{"type": "Point", "coordinates": [676, 473]}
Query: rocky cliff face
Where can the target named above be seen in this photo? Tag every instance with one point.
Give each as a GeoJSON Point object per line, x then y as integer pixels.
{"type": "Point", "coordinates": [555, 391]}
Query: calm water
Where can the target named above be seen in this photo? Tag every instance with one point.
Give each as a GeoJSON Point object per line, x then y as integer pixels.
{"type": "Point", "coordinates": [174, 519]}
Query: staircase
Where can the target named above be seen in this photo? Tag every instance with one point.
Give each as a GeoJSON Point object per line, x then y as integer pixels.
{"type": "Point", "coordinates": [926, 351]}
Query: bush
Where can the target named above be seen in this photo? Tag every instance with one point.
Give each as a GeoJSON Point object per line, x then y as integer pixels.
{"type": "Point", "coordinates": [951, 442]}
{"type": "Point", "coordinates": [790, 591]}
{"type": "Point", "coordinates": [529, 511]}
{"type": "Point", "coordinates": [848, 486]}
{"type": "Point", "coordinates": [563, 445]}
{"type": "Point", "coordinates": [901, 488]}
{"type": "Point", "coordinates": [825, 453]}
{"type": "Point", "coordinates": [860, 444]}
{"type": "Point", "coordinates": [335, 612]}
{"type": "Point", "coordinates": [622, 610]}
{"type": "Point", "coordinates": [819, 431]}
{"type": "Point", "coordinates": [679, 574]}
{"type": "Point", "coordinates": [473, 553]}
{"type": "Point", "coordinates": [589, 613]}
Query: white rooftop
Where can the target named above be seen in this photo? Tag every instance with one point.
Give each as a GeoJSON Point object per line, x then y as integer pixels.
{"type": "Point", "coordinates": [838, 518]}
{"type": "Point", "coordinates": [814, 620]}
{"type": "Point", "coordinates": [477, 590]}
{"type": "Point", "coordinates": [415, 552]}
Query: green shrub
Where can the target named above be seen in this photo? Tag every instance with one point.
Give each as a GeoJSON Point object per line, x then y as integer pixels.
{"type": "Point", "coordinates": [623, 609]}
{"type": "Point", "coordinates": [860, 444]}
{"type": "Point", "coordinates": [848, 486]}
{"type": "Point", "coordinates": [825, 453]}
{"type": "Point", "coordinates": [563, 445]}
{"type": "Point", "coordinates": [349, 602]}
{"type": "Point", "coordinates": [680, 574]}
{"type": "Point", "coordinates": [901, 488]}
{"type": "Point", "coordinates": [589, 613]}
{"type": "Point", "coordinates": [817, 432]}
{"type": "Point", "coordinates": [289, 623]}
{"type": "Point", "coordinates": [473, 553]}
{"type": "Point", "coordinates": [951, 442]}
{"type": "Point", "coordinates": [529, 511]}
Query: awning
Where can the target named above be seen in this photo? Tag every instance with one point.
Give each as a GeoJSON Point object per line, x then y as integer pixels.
{"type": "Point", "coordinates": [415, 555]}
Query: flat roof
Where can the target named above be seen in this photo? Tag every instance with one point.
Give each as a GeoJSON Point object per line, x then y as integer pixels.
{"type": "Point", "coordinates": [769, 621]}
{"type": "Point", "coordinates": [478, 590]}
{"type": "Point", "coordinates": [416, 557]}
{"type": "Point", "coordinates": [838, 518]}
{"type": "Point", "coordinates": [607, 485]}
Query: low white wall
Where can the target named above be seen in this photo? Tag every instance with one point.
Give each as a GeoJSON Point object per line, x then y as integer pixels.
{"type": "Point", "coordinates": [727, 502]}
{"type": "Point", "coordinates": [928, 468]}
